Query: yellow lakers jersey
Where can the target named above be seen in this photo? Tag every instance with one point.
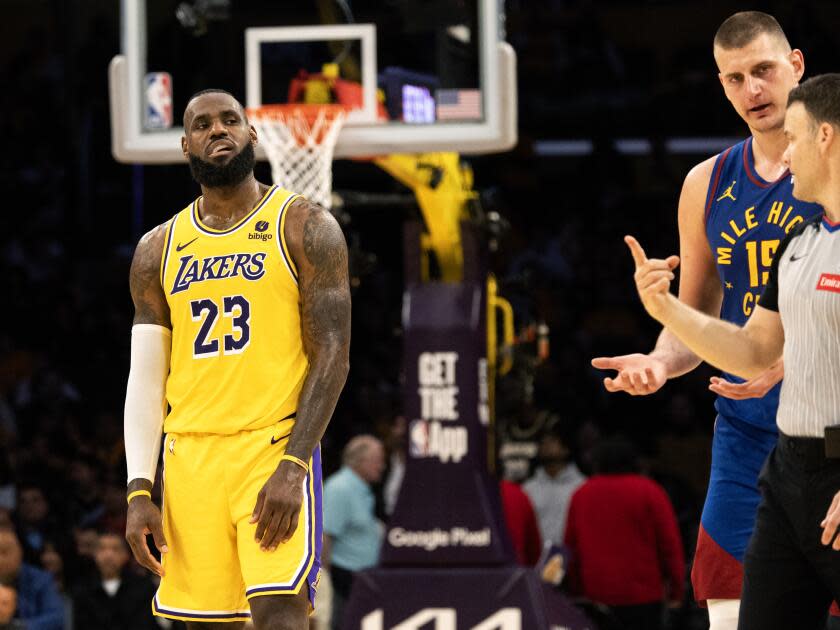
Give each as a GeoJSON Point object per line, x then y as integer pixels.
{"type": "Point", "coordinates": [237, 354]}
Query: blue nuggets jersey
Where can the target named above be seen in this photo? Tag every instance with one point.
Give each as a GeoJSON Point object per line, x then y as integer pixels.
{"type": "Point", "coordinates": [746, 219]}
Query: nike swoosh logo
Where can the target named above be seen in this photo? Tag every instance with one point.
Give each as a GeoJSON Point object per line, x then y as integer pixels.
{"type": "Point", "coordinates": [179, 247]}
{"type": "Point", "coordinates": [794, 257]}
{"type": "Point", "coordinates": [274, 440]}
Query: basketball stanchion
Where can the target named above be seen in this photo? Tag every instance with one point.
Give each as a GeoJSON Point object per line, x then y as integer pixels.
{"type": "Point", "coordinates": [446, 560]}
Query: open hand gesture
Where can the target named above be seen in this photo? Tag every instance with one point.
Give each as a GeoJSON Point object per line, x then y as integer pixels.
{"type": "Point", "coordinates": [638, 374]}
{"type": "Point", "coordinates": [754, 388]}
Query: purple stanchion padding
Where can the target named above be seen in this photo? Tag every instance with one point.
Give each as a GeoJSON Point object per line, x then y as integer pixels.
{"type": "Point", "coordinates": [562, 613]}
{"type": "Point", "coordinates": [448, 512]}
{"type": "Point", "coordinates": [446, 558]}
{"type": "Point", "coordinates": [417, 599]}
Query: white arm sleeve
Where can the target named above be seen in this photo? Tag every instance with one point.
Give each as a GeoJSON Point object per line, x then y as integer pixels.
{"type": "Point", "coordinates": [145, 398]}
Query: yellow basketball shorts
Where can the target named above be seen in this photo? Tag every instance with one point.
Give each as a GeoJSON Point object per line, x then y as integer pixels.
{"type": "Point", "coordinates": [214, 565]}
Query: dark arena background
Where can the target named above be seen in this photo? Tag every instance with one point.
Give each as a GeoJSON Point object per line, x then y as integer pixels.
{"type": "Point", "coordinates": [615, 102]}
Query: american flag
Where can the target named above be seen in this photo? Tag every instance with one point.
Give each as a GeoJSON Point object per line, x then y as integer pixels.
{"type": "Point", "coordinates": [459, 104]}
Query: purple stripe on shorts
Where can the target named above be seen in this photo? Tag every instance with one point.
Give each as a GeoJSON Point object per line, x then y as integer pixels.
{"type": "Point", "coordinates": [198, 615]}
{"type": "Point", "coordinates": [314, 480]}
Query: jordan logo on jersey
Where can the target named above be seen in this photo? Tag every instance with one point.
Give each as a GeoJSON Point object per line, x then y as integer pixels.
{"type": "Point", "coordinates": [727, 194]}
{"type": "Point", "coordinates": [249, 266]}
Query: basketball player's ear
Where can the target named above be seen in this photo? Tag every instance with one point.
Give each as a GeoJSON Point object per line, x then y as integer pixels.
{"type": "Point", "coordinates": [252, 131]}
{"type": "Point", "coordinates": [187, 122]}
{"type": "Point", "coordinates": [797, 60]}
{"type": "Point", "coordinates": [826, 134]}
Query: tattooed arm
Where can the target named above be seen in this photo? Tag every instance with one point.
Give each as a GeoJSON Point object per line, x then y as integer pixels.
{"type": "Point", "coordinates": [150, 306]}
{"type": "Point", "coordinates": [317, 246]}
{"type": "Point", "coordinates": [150, 347]}
{"type": "Point", "coordinates": [320, 253]}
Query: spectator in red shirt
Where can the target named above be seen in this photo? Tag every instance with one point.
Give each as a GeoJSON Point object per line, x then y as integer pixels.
{"type": "Point", "coordinates": [521, 523]}
{"type": "Point", "coordinates": [624, 540]}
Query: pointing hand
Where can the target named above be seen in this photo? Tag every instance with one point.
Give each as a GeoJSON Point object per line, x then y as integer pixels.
{"type": "Point", "coordinates": [653, 278]}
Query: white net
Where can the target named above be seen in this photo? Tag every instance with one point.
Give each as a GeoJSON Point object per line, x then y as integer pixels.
{"type": "Point", "coordinates": [299, 141]}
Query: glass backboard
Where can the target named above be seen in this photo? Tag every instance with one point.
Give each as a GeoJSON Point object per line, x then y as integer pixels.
{"type": "Point", "coordinates": [420, 75]}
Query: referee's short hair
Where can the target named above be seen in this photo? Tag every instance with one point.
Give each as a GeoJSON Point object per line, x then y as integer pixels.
{"type": "Point", "coordinates": [821, 97]}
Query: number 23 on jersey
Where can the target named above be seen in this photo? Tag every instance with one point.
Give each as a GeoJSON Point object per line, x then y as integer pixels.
{"type": "Point", "coordinates": [207, 312]}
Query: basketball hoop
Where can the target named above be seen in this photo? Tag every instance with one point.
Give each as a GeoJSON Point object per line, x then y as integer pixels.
{"type": "Point", "coordinates": [299, 140]}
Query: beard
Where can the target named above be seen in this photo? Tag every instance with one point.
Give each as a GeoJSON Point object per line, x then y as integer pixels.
{"type": "Point", "coordinates": [210, 175]}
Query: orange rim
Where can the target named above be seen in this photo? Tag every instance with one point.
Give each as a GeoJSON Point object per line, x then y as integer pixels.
{"type": "Point", "coordinates": [307, 111]}
{"type": "Point", "coordinates": [301, 119]}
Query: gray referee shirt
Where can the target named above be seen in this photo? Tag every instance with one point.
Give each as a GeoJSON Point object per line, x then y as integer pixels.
{"type": "Point", "coordinates": [804, 287]}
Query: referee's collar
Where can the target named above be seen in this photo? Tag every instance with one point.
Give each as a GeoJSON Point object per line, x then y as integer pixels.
{"type": "Point", "coordinates": [831, 227]}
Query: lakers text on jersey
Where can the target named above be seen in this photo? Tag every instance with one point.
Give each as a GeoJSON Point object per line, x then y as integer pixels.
{"type": "Point", "coordinates": [237, 354]}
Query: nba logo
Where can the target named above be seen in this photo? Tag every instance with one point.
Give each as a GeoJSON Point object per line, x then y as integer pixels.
{"type": "Point", "coordinates": [418, 438]}
{"type": "Point", "coordinates": [157, 88]}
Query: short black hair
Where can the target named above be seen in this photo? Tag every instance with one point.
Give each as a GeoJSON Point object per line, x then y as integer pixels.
{"type": "Point", "coordinates": [821, 97]}
{"type": "Point", "coordinates": [213, 91]}
{"type": "Point", "coordinates": [560, 431]}
{"type": "Point", "coordinates": [743, 27]}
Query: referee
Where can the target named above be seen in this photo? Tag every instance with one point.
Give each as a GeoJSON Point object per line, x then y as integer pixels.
{"type": "Point", "coordinates": [792, 565]}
